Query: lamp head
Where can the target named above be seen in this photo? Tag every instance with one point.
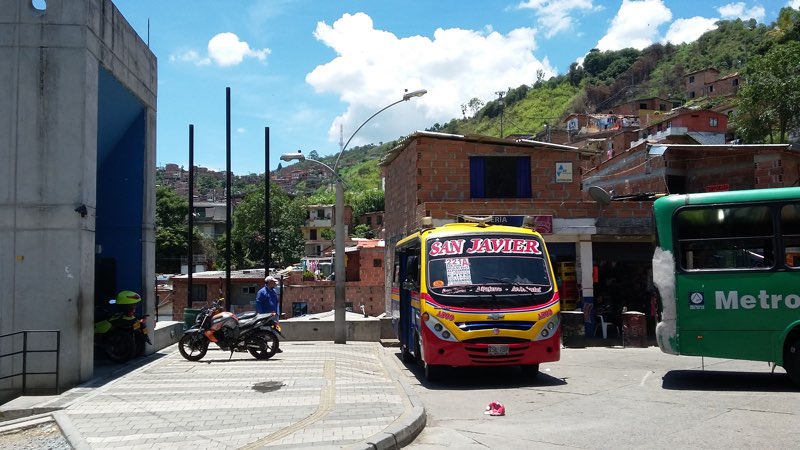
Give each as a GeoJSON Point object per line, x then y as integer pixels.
{"type": "Point", "coordinates": [418, 93]}
{"type": "Point", "coordinates": [293, 156]}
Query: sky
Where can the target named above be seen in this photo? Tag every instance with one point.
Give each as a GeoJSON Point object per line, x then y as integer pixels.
{"type": "Point", "coordinates": [314, 71]}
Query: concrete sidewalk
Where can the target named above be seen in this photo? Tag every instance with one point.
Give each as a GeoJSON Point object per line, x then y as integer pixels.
{"type": "Point", "coordinates": [314, 394]}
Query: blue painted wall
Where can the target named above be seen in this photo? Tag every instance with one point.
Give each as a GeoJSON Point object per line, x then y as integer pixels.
{"type": "Point", "coordinates": [120, 182]}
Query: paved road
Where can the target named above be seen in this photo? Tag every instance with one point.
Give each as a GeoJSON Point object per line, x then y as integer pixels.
{"type": "Point", "coordinates": [612, 398]}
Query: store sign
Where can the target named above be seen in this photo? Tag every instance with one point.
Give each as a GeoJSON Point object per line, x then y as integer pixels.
{"type": "Point", "coordinates": [563, 172]}
{"type": "Point", "coordinates": [718, 187]}
{"type": "Point", "coordinates": [544, 224]}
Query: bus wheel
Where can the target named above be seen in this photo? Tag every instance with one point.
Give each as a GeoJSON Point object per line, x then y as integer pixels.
{"type": "Point", "coordinates": [530, 370]}
{"type": "Point", "coordinates": [433, 372]}
{"type": "Point", "coordinates": [406, 354]}
{"type": "Point", "coordinates": [418, 352]}
{"type": "Point", "coordinates": [791, 360]}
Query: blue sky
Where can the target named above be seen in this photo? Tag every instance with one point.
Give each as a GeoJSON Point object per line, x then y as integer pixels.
{"type": "Point", "coordinates": [308, 69]}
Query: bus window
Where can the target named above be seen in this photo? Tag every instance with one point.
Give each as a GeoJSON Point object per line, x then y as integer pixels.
{"type": "Point", "coordinates": [412, 272]}
{"type": "Point", "coordinates": [790, 228]}
{"type": "Point", "coordinates": [734, 237]}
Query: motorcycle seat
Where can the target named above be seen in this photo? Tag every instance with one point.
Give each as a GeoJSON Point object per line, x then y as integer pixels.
{"type": "Point", "coordinates": [246, 315]}
{"type": "Point", "coordinates": [249, 318]}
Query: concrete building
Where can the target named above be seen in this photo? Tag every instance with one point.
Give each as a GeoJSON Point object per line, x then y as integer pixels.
{"type": "Point", "coordinates": [318, 228]}
{"type": "Point", "coordinates": [77, 164]}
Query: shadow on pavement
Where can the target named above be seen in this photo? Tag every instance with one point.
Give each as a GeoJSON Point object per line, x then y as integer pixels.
{"type": "Point", "coordinates": [709, 380]}
{"type": "Point", "coordinates": [106, 370]}
{"type": "Point", "coordinates": [481, 377]}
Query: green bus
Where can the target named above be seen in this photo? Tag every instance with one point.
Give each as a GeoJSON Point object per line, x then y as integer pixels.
{"type": "Point", "coordinates": [727, 268]}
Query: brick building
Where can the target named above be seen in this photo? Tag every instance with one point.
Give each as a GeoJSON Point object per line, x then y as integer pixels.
{"type": "Point", "coordinates": [363, 283]}
{"type": "Point", "coordinates": [696, 83]}
{"type": "Point", "coordinates": [364, 286]}
{"type": "Point", "coordinates": [681, 168]}
{"type": "Point", "coordinates": [643, 106]}
{"type": "Point", "coordinates": [444, 176]}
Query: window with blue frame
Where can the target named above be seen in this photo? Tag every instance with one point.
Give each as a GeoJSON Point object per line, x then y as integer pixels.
{"type": "Point", "coordinates": [500, 176]}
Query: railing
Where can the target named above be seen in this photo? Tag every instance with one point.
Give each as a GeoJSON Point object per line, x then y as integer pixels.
{"type": "Point", "coordinates": [25, 351]}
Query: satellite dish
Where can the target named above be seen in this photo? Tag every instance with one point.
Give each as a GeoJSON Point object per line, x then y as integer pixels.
{"type": "Point", "coordinates": [600, 195]}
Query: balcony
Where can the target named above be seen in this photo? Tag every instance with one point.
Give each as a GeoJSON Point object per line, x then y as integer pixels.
{"type": "Point", "coordinates": [319, 223]}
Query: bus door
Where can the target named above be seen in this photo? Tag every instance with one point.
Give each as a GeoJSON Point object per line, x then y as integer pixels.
{"type": "Point", "coordinates": [409, 282]}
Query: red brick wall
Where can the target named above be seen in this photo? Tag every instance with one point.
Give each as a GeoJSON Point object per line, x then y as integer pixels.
{"type": "Point", "coordinates": [319, 295]}
{"type": "Point", "coordinates": [700, 121]}
{"type": "Point", "coordinates": [368, 273]}
{"type": "Point", "coordinates": [698, 86]}
{"type": "Point", "coordinates": [726, 86]}
{"type": "Point", "coordinates": [437, 170]}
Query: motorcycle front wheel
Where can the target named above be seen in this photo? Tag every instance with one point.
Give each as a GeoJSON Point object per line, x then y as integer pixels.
{"type": "Point", "coordinates": [263, 345]}
{"type": "Point", "coordinates": [193, 346]}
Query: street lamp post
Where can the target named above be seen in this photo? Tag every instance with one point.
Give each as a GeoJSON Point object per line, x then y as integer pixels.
{"type": "Point", "coordinates": [339, 318]}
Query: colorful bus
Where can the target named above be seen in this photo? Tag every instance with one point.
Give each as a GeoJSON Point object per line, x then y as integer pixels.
{"type": "Point", "coordinates": [727, 267]}
{"type": "Point", "coordinates": [475, 294]}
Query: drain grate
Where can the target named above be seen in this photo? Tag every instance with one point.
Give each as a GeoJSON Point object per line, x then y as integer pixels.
{"type": "Point", "coordinates": [268, 386]}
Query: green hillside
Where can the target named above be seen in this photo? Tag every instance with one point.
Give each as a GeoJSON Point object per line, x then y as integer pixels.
{"type": "Point", "coordinates": [605, 79]}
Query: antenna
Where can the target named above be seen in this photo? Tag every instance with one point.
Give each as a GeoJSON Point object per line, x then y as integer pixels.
{"type": "Point", "coordinates": [600, 195]}
{"type": "Point", "coordinates": [341, 136]}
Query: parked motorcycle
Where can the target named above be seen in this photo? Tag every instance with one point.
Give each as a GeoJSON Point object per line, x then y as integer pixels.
{"type": "Point", "coordinates": [122, 334]}
{"type": "Point", "coordinates": [255, 333]}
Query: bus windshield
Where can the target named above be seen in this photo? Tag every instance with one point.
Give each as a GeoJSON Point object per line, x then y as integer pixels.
{"type": "Point", "coordinates": [488, 271]}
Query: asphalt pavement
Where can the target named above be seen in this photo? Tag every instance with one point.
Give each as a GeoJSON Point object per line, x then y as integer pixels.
{"type": "Point", "coordinates": [312, 395]}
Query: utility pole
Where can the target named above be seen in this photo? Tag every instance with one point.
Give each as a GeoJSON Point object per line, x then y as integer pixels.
{"type": "Point", "coordinates": [502, 110]}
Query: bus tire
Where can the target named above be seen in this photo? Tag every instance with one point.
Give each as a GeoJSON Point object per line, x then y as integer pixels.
{"type": "Point", "coordinates": [418, 351]}
{"type": "Point", "coordinates": [791, 360]}
{"type": "Point", "coordinates": [433, 372]}
{"type": "Point", "coordinates": [530, 370]}
{"type": "Point", "coordinates": [406, 354]}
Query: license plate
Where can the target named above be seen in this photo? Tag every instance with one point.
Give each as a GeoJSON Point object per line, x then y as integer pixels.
{"type": "Point", "coordinates": [498, 349]}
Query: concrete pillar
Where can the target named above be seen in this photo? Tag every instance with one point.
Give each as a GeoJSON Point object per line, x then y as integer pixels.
{"type": "Point", "coordinates": [585, 268]}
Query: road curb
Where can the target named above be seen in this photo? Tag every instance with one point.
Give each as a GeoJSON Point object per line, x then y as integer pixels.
{"type": "Point", "coordinates": [403, 431]}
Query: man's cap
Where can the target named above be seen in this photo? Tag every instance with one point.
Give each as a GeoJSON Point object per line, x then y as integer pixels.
{"type": "Point", "coordinates": [270, 278]}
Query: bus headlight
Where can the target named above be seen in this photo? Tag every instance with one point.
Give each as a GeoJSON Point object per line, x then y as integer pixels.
{"type": "Point", "coordinates": [548, 329]}
{"type": "Point", "coordinates": [439, 329]}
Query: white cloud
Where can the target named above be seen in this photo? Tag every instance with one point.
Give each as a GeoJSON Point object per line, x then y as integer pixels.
{"type": "Point", "coordinates": [555, 16]}
{"type": "Point", "coordinates": [373, 67]}
{"type": "Point", "coordinates": [226, 49]}
{"type": "Point", "coordinates": [688, 30]}
{"type": "Point", "coordinates": [241, 130]}
{"type": "Point", "coordinates": [635, 25]}
{"type": "Point", "coordinates": [739, 11]}
{"type": "Point", "coordinates": [190, 56]}
{"type": "Point", "coordinates": [793, 4]}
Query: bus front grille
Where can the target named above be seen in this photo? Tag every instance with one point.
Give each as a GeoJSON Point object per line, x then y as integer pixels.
{"type": "Point", "coordinates": [496, 340]}
{"type": "Point", "coordinates": [504, 325]}
{"type": "Point", "coordinates": [480, 354]}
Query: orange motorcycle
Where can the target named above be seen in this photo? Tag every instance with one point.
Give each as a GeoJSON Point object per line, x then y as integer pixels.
{"type": "Point", "coordinates": [251, 332]}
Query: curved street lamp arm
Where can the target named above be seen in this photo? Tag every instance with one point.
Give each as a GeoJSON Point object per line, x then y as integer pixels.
{"type": "Point", "coordinates": [361, 126]}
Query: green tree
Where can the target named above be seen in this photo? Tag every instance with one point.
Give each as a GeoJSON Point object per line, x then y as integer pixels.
{"type": "Point", "coordinates": [366, 201]}
{"type": "Point", "coordinates": [363, 231]}
{"type": "Point", "coordinates": [769, 102]}
{"type": "Point", "coordinates": [171, 230]}
{"type": "Point", "coordinates": [248, 235]}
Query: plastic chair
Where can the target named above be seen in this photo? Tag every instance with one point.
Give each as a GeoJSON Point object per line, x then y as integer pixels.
{"type": "Point", "coordinates": [603, 325]}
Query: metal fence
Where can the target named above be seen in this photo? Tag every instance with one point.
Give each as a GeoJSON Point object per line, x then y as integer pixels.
{"type": "Point", "coordinates": [26, 348]}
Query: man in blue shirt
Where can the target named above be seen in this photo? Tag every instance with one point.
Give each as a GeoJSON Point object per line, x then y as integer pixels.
{"type": "Point", "coordinates": [267, 298]}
